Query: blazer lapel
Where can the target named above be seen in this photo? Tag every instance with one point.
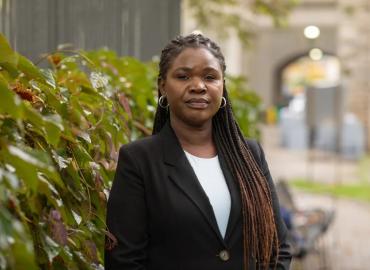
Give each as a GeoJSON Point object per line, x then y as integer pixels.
{"type": "Point", "coordinates": [235, 211]}
{"type": "Point", "coordinates": [182, 174]}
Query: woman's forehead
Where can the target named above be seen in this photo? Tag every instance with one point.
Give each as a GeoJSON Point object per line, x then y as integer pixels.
{"type": "Point", "coordinates": [195, 57]}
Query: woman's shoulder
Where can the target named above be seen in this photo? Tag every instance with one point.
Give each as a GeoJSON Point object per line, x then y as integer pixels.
{"type": "Point", "coordinates": [252, 143]}
{"type": "Point", "coordinates": [256, 149]}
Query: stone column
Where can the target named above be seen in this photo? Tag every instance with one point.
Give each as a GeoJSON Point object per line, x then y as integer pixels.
{"type": "Point", "coordinates": [354, 53]}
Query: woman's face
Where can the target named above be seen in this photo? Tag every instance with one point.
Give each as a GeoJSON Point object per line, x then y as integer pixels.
{"type": "Point", "coordinates": [193, 87]}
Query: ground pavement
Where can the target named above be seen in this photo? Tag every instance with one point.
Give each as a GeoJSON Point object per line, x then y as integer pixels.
{"type": "Point", "coordinates": [346, 245]}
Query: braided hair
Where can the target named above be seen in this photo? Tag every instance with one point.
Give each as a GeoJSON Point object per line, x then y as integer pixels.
{"type": "Point", "coordinates": [259, 230]}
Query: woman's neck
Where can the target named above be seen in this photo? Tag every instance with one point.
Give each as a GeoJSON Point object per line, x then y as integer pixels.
{"type": "Point", "coordinates": [197, 141]}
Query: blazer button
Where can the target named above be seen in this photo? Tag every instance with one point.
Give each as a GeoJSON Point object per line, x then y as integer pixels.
{"type": "Point", "coordinates": [224, 255]}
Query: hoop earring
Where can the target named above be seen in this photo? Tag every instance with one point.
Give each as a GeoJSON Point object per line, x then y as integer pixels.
{"type": "Point", "coordinates": [224, 103]}
{"type": "Point", "coordinates": [160, 103]}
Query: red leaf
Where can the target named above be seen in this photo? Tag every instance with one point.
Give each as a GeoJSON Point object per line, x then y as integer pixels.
{"type": "Point", "coordinates": [125, 104]}
{"type": "Point", "coordinates": [58, 229]}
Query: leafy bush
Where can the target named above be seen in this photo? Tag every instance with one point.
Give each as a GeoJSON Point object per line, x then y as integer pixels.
{"type": "Point", "coordinates": [60, 129]}
{"type": "Point", "coordinates": [245, 104]}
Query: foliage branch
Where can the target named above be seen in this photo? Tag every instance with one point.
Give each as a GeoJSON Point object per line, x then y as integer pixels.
{"type": "Point", "coordinates": [238, 15]}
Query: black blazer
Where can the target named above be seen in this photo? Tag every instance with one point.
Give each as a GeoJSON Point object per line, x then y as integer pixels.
{"type": "Point", "coordinates": [162, 218]}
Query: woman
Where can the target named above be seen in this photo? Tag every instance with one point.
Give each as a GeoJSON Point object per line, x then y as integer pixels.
{"type": "Point", "coordinates": [195, 195]}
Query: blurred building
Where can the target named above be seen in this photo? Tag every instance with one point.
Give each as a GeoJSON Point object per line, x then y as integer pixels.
{"type": "Point", "coordinates": [138, 28]}
{"type": "Point", "coordinates": [344, 45]}
{"type": "Point", "coordinates": [141, 28]}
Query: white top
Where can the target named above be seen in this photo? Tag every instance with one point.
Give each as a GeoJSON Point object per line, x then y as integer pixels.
{"type": "Point", "coordinates": [212, 180]}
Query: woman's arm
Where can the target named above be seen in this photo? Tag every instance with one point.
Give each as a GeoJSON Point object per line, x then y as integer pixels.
{"type": "Point", "coordinates": [284, 255]}
{"type": "Point", "coordinates": [127, 217]}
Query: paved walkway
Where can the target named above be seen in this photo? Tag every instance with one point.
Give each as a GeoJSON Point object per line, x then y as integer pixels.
{"type": "Point", "coordinates": [316, 165]}
{"type": "Point", "coordinates": [346, 245]}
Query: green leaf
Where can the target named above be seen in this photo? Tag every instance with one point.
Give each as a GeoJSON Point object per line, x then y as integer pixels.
{"type": "Point", "coordinates": [84, 135]}
{"type": "Point", "coordinates": [10, 103]}
{"type": "Point", "coordinates": [53, 128]}
{"type": "Point", "coordinates": [3, 263]}
{"type": "Point", "coordinates": [52, 133]}
{"type": "Point", "coordinates": [60, 160]}
{"type": "Point", "coordinates": [25, 165]}
{"type": "Point", "coordinates": [29, 163]}
{"type": "Point", "coordinates": [11, 179]}
{"type": "Point", "coordinates": [50, 125]}
{"type": "Point", "coordinates": [82, 156]}
{"type": "Point", "coordinates": [33, 116]}
{"type": "Point", "coordinates": [77, 217]}
{"type": "Point", "coordinates": [23, 256]}
{"type": "Point", "coordinates": [7, 56]}
{"type": "Point", "coordinates": [49, 77]}
{"type": "Point", "coordinates": [28, 68]}
{"type": "Point", "coordinates": [51, 248]}
{"type": "Point", "coordinates": [53, 100]}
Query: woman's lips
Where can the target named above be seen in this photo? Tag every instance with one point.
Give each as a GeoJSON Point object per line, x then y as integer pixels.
{"type": "Point", "coordinates": [197, 103]}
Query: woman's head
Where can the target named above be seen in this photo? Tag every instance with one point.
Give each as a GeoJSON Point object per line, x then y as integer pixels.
{"type": "Point", "coordinates": [191, 80]}
{"type": "Point", "coordinates": [177, 45]}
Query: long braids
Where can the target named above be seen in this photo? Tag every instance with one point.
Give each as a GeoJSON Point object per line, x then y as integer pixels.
{"type": "Point", "coordinates": [259, 230]}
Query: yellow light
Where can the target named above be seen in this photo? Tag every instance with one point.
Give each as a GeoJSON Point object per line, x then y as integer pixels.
{"type": "Point", "coordinates": [311, 32]}
{"type": "Point", "coordinates": [316, 54]}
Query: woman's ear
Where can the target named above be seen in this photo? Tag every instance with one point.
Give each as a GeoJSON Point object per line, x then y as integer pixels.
{"type": "Point", "coordinates": [161, 84]}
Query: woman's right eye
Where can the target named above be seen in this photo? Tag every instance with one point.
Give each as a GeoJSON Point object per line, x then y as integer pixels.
{"type": "Point", "coordinates": [182, 77]}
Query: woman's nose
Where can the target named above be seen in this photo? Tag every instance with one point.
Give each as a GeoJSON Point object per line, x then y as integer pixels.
{"type": "Point", "coordinates": [197, 84]}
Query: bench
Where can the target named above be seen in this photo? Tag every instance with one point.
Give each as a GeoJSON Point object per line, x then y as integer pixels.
{"type": "Point", "coordinates": [305, 226]}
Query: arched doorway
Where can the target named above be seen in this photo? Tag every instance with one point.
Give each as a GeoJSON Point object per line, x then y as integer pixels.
{"type": "Point", "coordinates": [308, 95]}
{"type": "Point", "coordinates": [294, 75]}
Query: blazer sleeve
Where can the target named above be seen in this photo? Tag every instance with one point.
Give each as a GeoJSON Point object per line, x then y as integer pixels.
{"type": "Point", "coordinates": [127, 217]}
{"type": "Point", "coordinates": [284, 255]}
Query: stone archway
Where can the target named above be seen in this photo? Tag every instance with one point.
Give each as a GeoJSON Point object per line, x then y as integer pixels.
{"type": "Point", "coordinates": [278, 97]}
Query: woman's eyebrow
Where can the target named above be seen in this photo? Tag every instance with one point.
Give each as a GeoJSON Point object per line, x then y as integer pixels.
{"type": "Point", "coordinates": [208, 68]}
{"type": "Point", "coordinates": [183, 69]}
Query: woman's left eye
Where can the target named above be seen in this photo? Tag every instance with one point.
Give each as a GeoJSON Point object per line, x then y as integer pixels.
{"type": "Point", "coordinates": [210, 77]}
